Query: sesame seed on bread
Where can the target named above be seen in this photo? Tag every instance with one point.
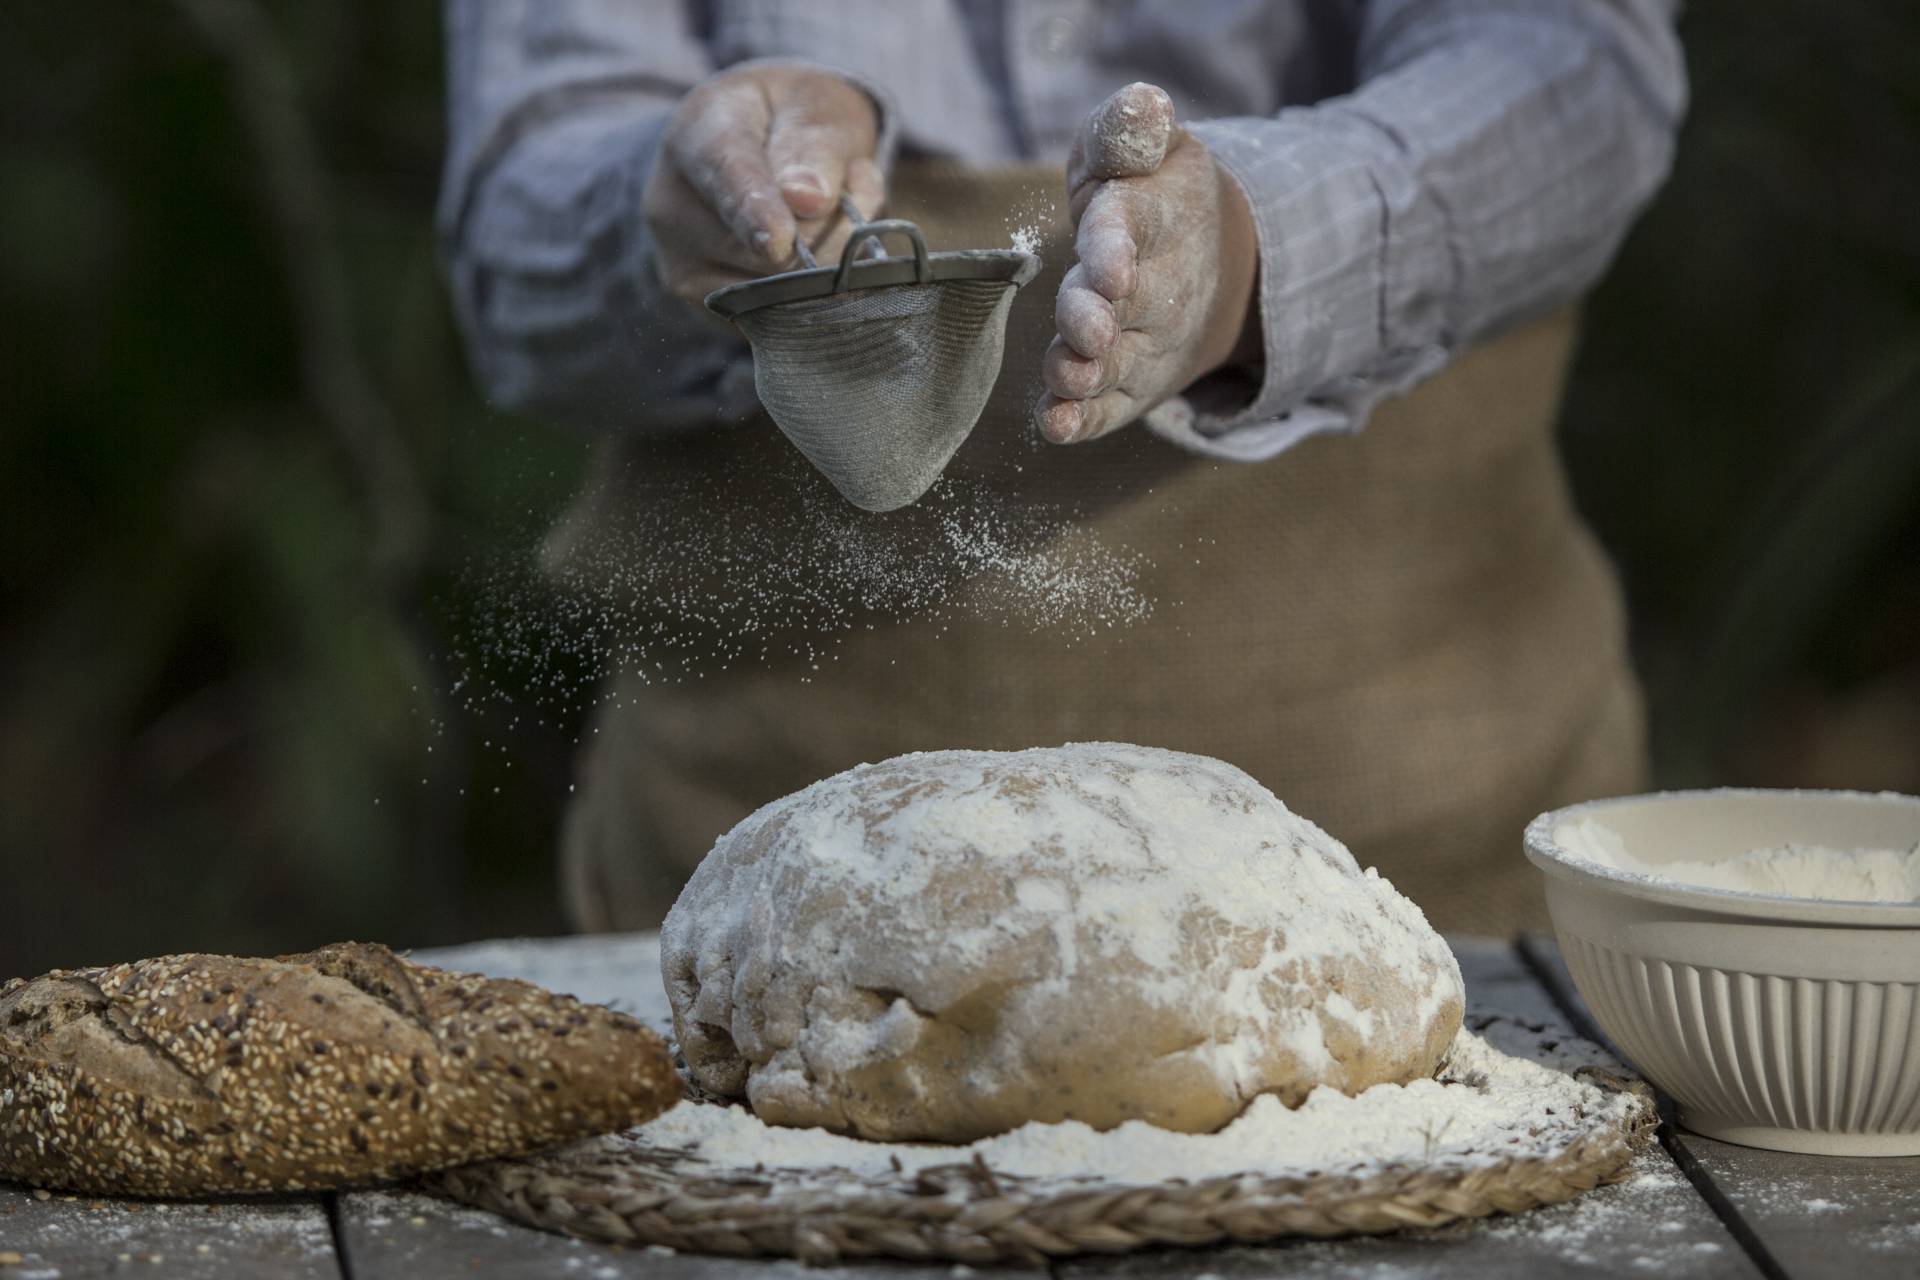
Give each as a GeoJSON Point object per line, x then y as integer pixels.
{"type": "Point", "coordinates": [198, 1074]}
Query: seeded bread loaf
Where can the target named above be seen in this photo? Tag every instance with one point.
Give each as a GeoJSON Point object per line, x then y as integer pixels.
{"type": "Point", "coordinates": [200, 1074]}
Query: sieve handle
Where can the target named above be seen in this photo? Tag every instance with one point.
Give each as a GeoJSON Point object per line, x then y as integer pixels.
{"type": "Point", "coordinates": [875, 249]}
{"type": "Point", "coordinates": [852, 212]}
{"type": "Point", "coordinates": [923, 270]}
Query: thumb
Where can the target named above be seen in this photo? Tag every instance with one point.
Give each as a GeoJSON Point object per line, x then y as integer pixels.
{"type": "Point", "coordinates": [812, 140]}
{"type": "Point", "coordinates": [1126, 136]}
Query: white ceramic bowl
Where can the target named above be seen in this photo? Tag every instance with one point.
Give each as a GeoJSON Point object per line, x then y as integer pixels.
{"type": "Point", "coordinates": [1774, 1022]}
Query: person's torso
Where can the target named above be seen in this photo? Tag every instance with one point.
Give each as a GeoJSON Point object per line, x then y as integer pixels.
{"type": "Point", "coordinates": [1406, 631]}
{"type": "Point", "coordinates": [995, 82]}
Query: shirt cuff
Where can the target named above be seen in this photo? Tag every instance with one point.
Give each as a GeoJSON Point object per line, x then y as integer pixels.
{"type": "Point", "coordinates": [1348, 278]}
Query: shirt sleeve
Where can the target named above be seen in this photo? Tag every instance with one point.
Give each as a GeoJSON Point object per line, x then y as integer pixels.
{"type": "Point", "coordinates": [556, 108]}
{"type": "Point", "coordinates": [1483, 172]}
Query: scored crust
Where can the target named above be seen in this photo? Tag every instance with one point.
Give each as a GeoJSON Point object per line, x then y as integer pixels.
{"type": "Point", "coordinates": [201, 1074]}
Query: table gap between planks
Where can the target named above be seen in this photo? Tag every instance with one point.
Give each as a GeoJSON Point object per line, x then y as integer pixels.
{"type": "Point", "coordinates": [1695, 1207]}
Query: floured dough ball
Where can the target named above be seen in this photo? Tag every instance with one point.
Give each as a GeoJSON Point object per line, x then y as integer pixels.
{"type": "Point", "coordinates": [948, 945]}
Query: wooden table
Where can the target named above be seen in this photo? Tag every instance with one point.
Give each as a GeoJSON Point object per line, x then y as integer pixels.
{"type": "Point", "coordinates": [1695, 1207]}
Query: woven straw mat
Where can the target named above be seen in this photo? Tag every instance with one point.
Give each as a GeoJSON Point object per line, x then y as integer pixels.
{"type": "Point", "coordinates": [620, 1190]}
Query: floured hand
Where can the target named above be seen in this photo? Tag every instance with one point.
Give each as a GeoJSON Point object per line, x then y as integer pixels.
{"type": "Point", "coordinates": [1162, 292]}
{"type": "Point", "coordinates": [752, 160]}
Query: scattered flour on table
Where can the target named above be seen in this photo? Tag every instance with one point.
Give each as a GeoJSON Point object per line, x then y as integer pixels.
{"type": "Point", "coordinates": [449, 1229]}
{"type": "Point", "coordinates": [1895, 1237]}
{"type": "Point", "coordinates": [1786, 871]}
{"type": "Point", "coordinates": [1494, 1106]}
{"type": "Point", "coordinates": [396, 1210]}
{"type": "Point", "coordinates": [1656, 1209]}
{"type": "Point", "coordinates": [67, 1236]}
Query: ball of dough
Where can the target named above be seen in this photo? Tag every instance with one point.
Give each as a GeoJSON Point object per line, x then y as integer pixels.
{"type": "Point", "coordinates": [948, 945]}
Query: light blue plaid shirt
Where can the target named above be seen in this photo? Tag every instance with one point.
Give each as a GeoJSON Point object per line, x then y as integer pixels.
{"type": "Point", "coordinates": [1422, 172]}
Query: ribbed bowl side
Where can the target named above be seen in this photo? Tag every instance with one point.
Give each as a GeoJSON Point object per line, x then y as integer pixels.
{"type": "Point", "coordinates": [1760, 1049]}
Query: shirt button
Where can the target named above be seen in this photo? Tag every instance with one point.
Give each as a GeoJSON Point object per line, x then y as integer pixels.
{"type": "Point", "coordinates": [1055, 36]}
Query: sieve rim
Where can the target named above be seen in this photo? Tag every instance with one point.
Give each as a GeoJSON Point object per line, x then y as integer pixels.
{"type": "Point", "coordinates": [1012, 266]}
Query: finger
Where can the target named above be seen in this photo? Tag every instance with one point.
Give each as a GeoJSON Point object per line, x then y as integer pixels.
{"type": "Point", "coordinates": [1072, 376]}
{"type": "Point", "coordinates": [1091, 323]}
{"type": "Point", "coordinates": [1120, 224]}
{"type": "Point", "coordinates": [1124, 137]}
{"type": "Point", "coordinates": [813, 137]}
{"type": "Point", "coordinates": [809, 167]}
{"type": "Point", "coordinates": [1154, 305]}
{"type": "Point", "coordinates": [1086, 321]}
{"type": "Point", "coordinates": [720, 148]}
{"type": "Point", "coordinates": [867, 188]}
{"type": "Point", "coordinates": [1105, 413]}
{"type": "Point", "coordinates": [1076, 421]}
{"type": "Point", "coordinates": [1059, 420]}
{"type": "Point", "coordinates": [685, 227]}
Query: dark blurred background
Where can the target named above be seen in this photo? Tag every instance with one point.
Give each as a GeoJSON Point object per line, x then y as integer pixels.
{"type": "Point", "coordinates": [243, 471]}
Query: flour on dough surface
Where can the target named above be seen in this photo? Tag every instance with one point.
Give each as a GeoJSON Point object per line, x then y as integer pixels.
{"type": "Point", "coordinates": [950, 944]}
{"type": "Point", "coordinates": [1501, 1096]}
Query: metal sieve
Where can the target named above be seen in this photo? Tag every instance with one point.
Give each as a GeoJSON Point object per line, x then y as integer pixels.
{"type": "Point", "coordinates": [877, 369]}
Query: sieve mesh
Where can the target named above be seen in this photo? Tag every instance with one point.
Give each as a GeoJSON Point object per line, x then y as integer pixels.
{"type": "Point", "coordinates": [879, 387]}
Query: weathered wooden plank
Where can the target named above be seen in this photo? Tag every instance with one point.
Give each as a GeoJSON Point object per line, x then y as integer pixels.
{"type": "Point", "coordinates": [1542, 955]}
{"type": "Point", "coordinates": [406, 1236]}
{"type": "Point", "coordinates": [72, 1237]}
{"type": "Point", "coordinates": [1819, 1215]}
{"type": "Point", "coordinates": [1497, 982]}
{"type": "Point", "coordinates": [1808, 1215]}
{"type": "Point", "coordinates": [1654, 1223]}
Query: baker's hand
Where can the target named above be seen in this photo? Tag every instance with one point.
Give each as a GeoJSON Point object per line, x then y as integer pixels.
{"type": "Point", "coordinates": [1163, 288]}
{"type": "Point", "coordinates": [752, 159]}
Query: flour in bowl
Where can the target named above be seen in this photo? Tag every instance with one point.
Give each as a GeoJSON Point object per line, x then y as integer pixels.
{"type": "Point", "coordinates": [1785, 871]}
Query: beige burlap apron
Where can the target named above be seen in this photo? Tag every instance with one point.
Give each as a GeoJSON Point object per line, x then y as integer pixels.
{"type": "Point", "coordinates": [1407, 634]}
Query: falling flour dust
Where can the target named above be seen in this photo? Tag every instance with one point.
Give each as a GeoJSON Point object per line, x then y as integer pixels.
{"type": "Point", "coordinates": [672, 592]}
{"type": "Point", "coordinates": [1027, 224]}
{"type": "Point", "coordinates": [682, 589]}
{"type": "Point", "coordinates": [679, 589]}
